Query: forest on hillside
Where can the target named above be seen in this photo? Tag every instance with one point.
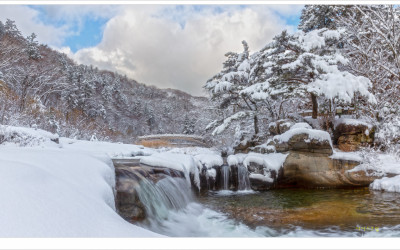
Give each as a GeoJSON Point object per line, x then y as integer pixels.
{"type": "Point", "coordinates": [43, 88]}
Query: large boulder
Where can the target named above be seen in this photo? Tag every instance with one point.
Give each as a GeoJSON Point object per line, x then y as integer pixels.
{"type": "Point", "coordinates": [301, 137]}
{"type": "Point", "coordinates": [350, 134]}
{"type": "Point", "coordinates": [314, 170]}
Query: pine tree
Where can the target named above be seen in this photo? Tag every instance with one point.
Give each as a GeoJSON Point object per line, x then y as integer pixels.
{"type": "Point", "coordinates": [226, 89]}
{"type": "Point", "coordinates": [188, 126]}
{"type": "Point", "coordinates": [314, 17]}
{"type": "Point", "coordinates": [307, 64]}
{"type": "Point", "coordinates": [32, 47]}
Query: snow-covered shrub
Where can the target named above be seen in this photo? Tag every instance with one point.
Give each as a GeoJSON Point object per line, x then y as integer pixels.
{"type": "Point", "coordinates": [26, 136]}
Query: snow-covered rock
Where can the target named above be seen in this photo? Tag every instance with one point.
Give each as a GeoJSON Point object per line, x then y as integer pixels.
{"type": "Point", "coordinates": [209, 160]}
{"type": "Point", "coordinates": [181, 162]}
{"type": "Point", "coordinates": [302, 138]}
{"type": "Point", "coordinates": [351, 134]}
{"type": "Point", "coordinates": [387, 184]}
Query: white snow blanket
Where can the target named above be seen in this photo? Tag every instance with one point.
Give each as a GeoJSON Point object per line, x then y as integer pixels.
{"type": "Point", "coordinates": [53, 192]}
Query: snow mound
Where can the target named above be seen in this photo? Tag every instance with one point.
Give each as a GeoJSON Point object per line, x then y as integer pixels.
{"type": "Point", "coordinates": [54, 192]}
{"type": "Point", "coordinates": [26, 137]}
{"type": "Point", "coordinates": [181, 162]}
{"type": "Point", "coordinates": [272, 161]}
{"type": "Point", "coordinates": [302, 129]}
{"type": "Point", "coordinates": [113, 150]}
{"type": "Point", "coordinates": [348, 156]}
{"type": "Point", "coordinates": [234, 160]}
{"type": "Point", "coordinates": [263, 178]}
{"type": "Point", "coordinates": [387, 184]}
{"type": "Point", "coordinates": [353, 122]}
{"type": "Point", "coordinates": [301, 125]}
{"type": "Point", "coordinates": [209, 160]}
{"type": "Point", "coordinates": [378, 164]}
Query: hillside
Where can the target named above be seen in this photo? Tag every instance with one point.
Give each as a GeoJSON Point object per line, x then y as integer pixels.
{"type": "Point", "coordinates": [43, 88]}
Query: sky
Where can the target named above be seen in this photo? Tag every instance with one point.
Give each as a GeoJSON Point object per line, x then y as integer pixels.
{"type": "Point", "coordinates": [168, 46]}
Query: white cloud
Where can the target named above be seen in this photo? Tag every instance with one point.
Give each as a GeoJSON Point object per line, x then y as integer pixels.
{"type": "Point", "coordinates": [149, 44]}
{"type": "Point", "coordinates": [27, 21]}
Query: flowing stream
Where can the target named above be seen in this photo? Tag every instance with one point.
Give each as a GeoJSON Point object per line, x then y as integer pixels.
{"type": "Point", "coordinates": [173, 210]}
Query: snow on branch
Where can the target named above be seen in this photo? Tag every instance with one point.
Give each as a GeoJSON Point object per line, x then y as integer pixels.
{"type": "Point", "coordinates": [227, 122]}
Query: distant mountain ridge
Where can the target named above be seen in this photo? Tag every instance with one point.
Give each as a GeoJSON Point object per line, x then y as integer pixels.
{"type": "Point", "coordinates": [44, 88]}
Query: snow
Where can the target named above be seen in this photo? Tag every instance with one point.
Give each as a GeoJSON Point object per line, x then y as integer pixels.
{"type": "Point", "coordinates": [341, 85]}
{"type": "Point", "coordinates": [235, 160]}
{"type": "Point", "coordinates": [272, 161]}
{"type": "Point", "coordinates": [22, 136]}
{"type": "Point", "coordinates": [212, 173]}
{"type": "Point", "coordinates": [261, 177]}
{"type": "Point", "coordinates": [379, 164]}
{"type": "Point", "coordinates": [303, 129]}
{"type": "Point", "coordinates": [244, 66]}
{"type": "Point", "coordinates": [181, 162]}
{"type": "Point", "coordinates": [348, 156]}
{"type": "Point", "coordinates": [170, 135]}
{"type": "Point", "coordinates": [57, 192]}
{"type": "Point", "coordinates": [387, 184]}
{"type": "Point", "coordinates": [209, 160]}
{"type": "Point", "coordinates": [301, 125]}
{"type": "Point", "coordinates": [113, 150]}
{"type": "Point", "coordinates": [227, 122]}
{"type": "Point", "coordinates": [349, 121]}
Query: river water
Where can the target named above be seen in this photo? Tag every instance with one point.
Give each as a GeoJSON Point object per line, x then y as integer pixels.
{"type": "Point", "coordinates": [175, 211]}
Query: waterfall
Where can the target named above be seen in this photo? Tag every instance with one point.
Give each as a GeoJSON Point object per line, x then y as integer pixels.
{"type": "Point", "coordinates": [168, 194]}
{"type": "Point", "coordinates": [243, 178]}
{"type": "Point", "coordinates": [225, 177]}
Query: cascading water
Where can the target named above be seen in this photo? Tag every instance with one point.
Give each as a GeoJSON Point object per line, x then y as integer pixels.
{"type": "Point", "coordinates": [243, 178]}
{"type": "Point", "coordinates": [171, 210]}
{"type": "Point", "coordinates": [225, 177]}
{"type": "Point", "coordinates": [167, 194]}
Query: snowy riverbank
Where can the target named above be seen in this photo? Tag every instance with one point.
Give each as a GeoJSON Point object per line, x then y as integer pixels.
{"type": "Point", "coordinates": [66, 189]}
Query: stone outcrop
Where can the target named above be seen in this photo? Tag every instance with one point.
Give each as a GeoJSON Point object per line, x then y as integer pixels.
{"type": "Point", "coordinates": [280, 126]}
{"type": "Point", "coordinates": [303, 169]}
{"type": "Point", "coordinates": [350, 136]}
{"type": "Point", "coordinates": [303, 143]}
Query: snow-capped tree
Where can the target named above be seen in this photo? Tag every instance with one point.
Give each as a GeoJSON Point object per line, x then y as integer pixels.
{"type": "Point", "coordinates": [33, 47]}
{"type": "Point", "coordinates": [226, 88]}
{"type": "Point", "coordinates": [372, 45]}
{"type": "Point", "coordinates": [314, 17]}
{"type": "Point", "coordinates": [188, 126]}
{"type": "Point", "coordinates": [309, 64]}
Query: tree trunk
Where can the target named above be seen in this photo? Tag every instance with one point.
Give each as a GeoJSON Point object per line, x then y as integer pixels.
{"type": "Point", "coordinates": [256, 124]}
{"type": "Point", "coordinates": [314, 106]}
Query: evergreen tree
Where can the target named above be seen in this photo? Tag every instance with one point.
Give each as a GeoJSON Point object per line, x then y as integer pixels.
{"type": "Point", "coordinates": [226, 89]}
{"type": "Point", "coordinates": [188, 126]}
{"type": "Point", "coordinates": [33, 47]}
{"type": "Point", "coordinates": [314, 17]}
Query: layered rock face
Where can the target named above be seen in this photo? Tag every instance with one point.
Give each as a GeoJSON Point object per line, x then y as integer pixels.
{"type": "Point", "coordinates": [350, 135]}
